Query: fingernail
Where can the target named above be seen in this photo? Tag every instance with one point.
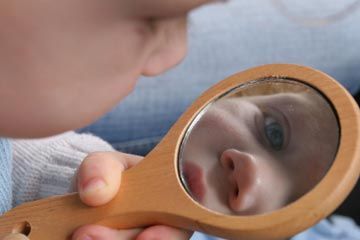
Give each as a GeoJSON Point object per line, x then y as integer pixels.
{"type": "Point", "coordinates": [84, 237]}
{"type": "Point", "coordinates": [94, 185]}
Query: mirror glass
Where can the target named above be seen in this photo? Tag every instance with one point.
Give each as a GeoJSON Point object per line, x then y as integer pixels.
{"type": "Point", "coordinates": [258, 147]}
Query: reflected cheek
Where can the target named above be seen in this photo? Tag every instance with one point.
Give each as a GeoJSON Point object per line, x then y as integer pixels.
{"type": "Point", "coordinates": [274, 186]}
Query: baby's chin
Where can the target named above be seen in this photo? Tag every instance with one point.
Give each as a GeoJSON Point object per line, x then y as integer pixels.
{"type": "Point", "coordinates": [215, 201]}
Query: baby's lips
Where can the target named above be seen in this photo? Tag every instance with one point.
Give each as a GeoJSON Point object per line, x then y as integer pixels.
{"type": "Point", "coordinates": [193, 175]}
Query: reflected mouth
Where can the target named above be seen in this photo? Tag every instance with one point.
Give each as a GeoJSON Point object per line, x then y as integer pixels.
{"type": "Point", "coordinates": [193, 176]}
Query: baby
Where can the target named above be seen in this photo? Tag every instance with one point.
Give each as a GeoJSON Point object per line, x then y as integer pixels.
{"type": "Point", "coordinates": [65, 63]}
{"type": "Point", "coordinates": [260, 148]}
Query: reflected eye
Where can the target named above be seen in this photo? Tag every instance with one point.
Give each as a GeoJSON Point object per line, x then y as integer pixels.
{"type": "Point", "coordinates": [274, 133]}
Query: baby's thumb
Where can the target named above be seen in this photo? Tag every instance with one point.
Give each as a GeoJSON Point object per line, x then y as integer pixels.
{"type": "Point", "coordinates": [99, 176]}
{"type": "Point", "coordinates": [15, 236]}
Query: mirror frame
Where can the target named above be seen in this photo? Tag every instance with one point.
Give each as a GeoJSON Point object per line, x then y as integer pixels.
{"type": "Point", "coordinates": [237, 90]}
{"type": "Point", "coordinates": [318, 203]}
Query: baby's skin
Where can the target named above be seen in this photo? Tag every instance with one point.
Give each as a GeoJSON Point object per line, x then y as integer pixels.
{"type": "Point", "coordinates": [251, 155]}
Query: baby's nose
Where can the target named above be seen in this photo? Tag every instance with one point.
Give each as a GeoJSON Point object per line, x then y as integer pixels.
{"type": "Point", "coordinates": [241, 172]}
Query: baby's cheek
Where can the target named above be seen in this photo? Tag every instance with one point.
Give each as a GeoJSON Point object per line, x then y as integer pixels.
{"type": "Point", "coordinates": [275, 186]}
{"type": "Point", "coordinates": [315, 171]}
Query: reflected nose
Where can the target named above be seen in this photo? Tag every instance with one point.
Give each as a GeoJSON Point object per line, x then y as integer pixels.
{"type": "Point", "coordinates": [241, 172]}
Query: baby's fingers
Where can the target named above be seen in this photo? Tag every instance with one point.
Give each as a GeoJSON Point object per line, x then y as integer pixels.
{"type": "Point", "coordinates": [94, 232]}
{"type": "Point", "coordinates": [15, 236]}
{"type": "Point", "coordinates": [99, 176]}
{"type": "Point", "coordinates": [164, 232]}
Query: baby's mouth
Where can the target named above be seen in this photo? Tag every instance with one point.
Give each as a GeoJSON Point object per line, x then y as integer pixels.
{"type": "Point", "coordinates": [193, 176]}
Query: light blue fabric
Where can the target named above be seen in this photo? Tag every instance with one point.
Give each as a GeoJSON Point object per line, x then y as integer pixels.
{"type": "Point", "coordinates": [5, 176]}
{"type": "Point", "coordinates": [335, 228]}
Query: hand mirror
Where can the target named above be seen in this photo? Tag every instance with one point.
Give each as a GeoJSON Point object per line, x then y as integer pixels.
{"type": "Point", "coordinates": [263, 154]}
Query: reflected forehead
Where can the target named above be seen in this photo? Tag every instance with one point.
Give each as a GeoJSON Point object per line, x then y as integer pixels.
{"type": "Point", "coordinates": [307, 109]}
{"type": "Point", "coordinates": [281, 99]}
{"type": "Point", "coordinates": [307, 104]}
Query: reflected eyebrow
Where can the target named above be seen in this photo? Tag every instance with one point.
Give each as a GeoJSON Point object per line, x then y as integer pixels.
{"type": "Point", "coordinates": [301, 113]}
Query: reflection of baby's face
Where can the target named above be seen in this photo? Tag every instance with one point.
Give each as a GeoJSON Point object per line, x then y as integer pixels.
{"type": "Point", "coordinates": [249, 155]}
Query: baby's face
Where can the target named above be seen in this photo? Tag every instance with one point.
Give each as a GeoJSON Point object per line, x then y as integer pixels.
{"type": "Point", "coordinates": [250, 155]}
{"type": "Point", "coordinates": [65, 63]}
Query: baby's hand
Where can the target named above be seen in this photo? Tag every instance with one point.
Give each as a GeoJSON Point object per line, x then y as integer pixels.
{"type": "Point", "coordinates": [98, 181]}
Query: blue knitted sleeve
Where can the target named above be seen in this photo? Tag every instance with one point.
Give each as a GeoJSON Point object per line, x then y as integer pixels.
{"type": "Point", "coordinates": [5, 175]}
